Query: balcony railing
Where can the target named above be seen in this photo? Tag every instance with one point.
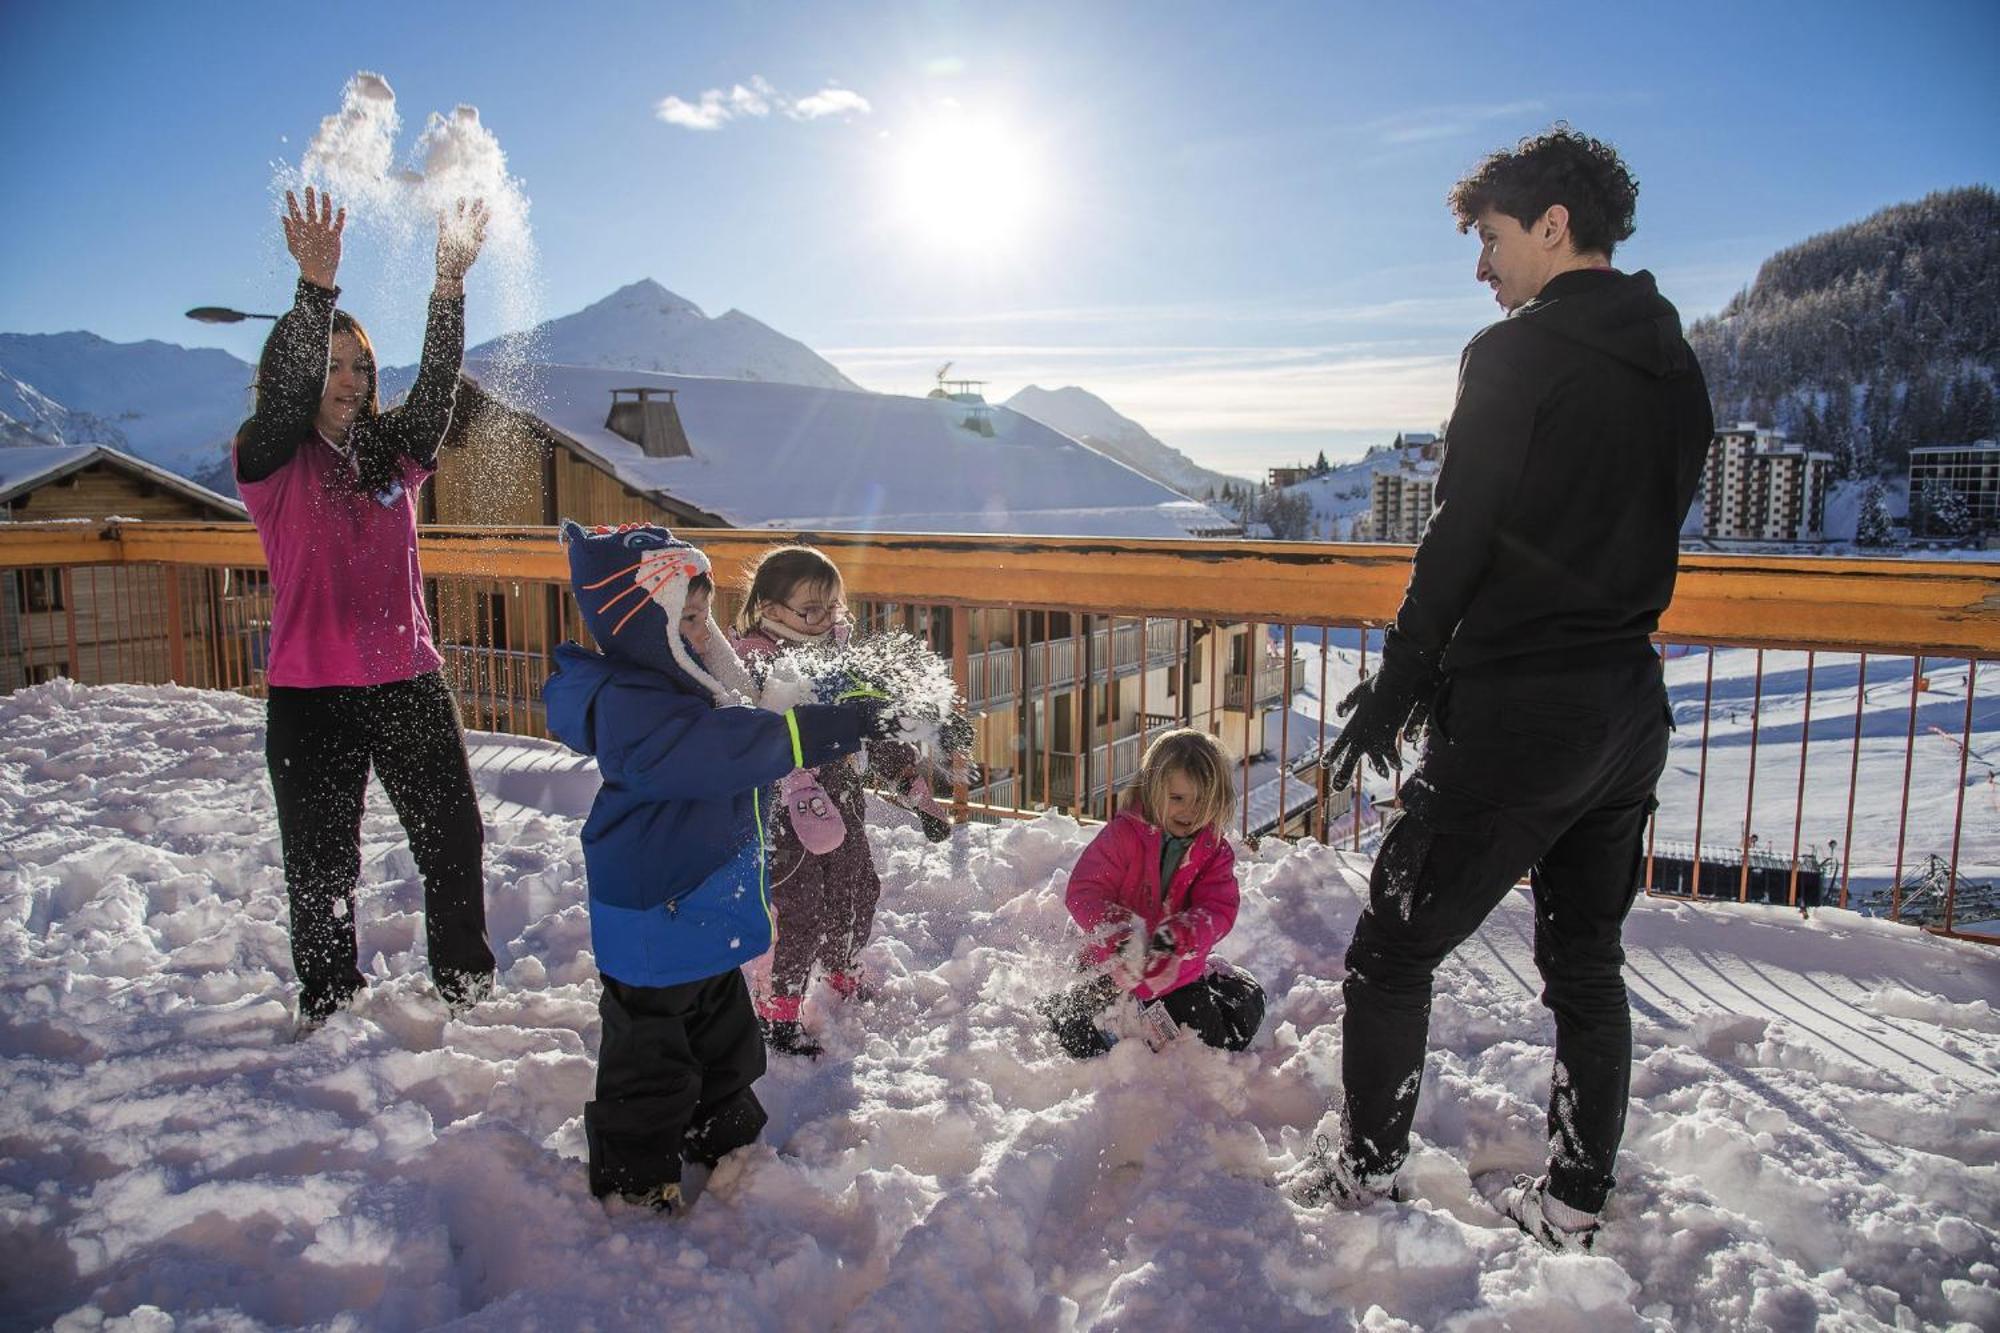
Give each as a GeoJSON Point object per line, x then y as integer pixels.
{"type": "Point", "coordinates": [993, 675]}
{"type": "Point", "coordinates": [1838, 719]}
{"type": "Point", "coordinates": [1269, 683]}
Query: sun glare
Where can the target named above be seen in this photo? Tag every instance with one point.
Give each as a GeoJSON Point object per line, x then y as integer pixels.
{"type": "Point", "coordinates": [968, 185]}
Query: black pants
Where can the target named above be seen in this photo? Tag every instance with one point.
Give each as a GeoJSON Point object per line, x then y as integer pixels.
{"type": "Point", "coordinates": [1224, 1009]}
{"type": "Point", "coordinates": [675, 1066]}
{"type": "Point", "coordinates": [1549, 775]}
{"type": "Point", "coordinates": [320, 744]}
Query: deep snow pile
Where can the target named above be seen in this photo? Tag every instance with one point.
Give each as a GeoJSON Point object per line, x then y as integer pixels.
{"type": "Point", "coordinates": [1812, 1144]}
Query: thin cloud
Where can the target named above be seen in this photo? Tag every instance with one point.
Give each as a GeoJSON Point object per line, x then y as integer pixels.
{"type": "Point", "coordinates": [757, 99]}
{"type": "Point", "coordinates": [830, 102]}
{"type": "Point", "coordinates": [1299, 390]}
{"type": "Point", "coordinates": [1450, 121]}
{"type": "Point", "coordinates": [1456, 311]}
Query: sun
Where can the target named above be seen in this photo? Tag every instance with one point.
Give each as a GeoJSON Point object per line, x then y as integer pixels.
{"type": "Point", "coordinates": [968, 184]}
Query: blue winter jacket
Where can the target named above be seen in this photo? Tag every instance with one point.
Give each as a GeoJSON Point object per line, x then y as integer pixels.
{"type": "Point", "coordinates": [674, 844]}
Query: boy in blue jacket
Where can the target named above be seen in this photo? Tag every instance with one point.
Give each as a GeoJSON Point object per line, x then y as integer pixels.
{"type": "Point", "coordinates": [674, 852]}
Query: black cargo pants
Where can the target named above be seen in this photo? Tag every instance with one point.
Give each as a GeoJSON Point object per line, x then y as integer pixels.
{"type": "Point", "coordinates": [1549, 775]}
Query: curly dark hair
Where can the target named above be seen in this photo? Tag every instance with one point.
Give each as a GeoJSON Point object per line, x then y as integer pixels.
{"type": "Point", "coordinates": [1558, 166]}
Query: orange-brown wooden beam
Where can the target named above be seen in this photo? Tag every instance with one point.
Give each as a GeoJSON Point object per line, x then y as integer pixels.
{"type": "Point", "coordinates": [1942, 608]}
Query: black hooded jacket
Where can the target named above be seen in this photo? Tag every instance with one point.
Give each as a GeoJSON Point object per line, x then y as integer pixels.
{"type": "Point", "coordinates": [1573, 453]}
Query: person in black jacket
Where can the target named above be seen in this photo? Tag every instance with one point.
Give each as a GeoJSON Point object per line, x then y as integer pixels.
{"type": "Point", "coordinates": [1573, 451]}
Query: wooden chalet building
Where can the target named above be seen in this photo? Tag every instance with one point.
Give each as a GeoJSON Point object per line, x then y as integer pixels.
{"type": "Point", "coordinates": [97, 625]}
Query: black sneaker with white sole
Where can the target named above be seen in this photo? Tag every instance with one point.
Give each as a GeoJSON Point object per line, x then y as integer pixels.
{"type": "Point", "coordinates": [1552, 1223]}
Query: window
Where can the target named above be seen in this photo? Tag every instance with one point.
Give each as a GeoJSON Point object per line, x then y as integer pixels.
{"type": "Point", "coordinates": [38, 673]}
{"type": "Point", "coordinates": [39, 589]}
{"type": "Point", "coordinates": [493, 618]}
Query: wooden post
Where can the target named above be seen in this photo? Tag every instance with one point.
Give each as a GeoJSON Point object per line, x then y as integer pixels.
{"type": "Point", "coordinates": [69, 620]}
{"type": "Point", "coordinates": [176, 628]}
{"type": "Point", "coordinates": [961, 672]}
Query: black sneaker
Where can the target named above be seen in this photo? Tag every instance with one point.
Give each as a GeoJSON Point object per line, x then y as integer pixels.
{"type": "Point", "coordinates": [462, 990]}
{"type": "Point", "coordinates": [663, 1199]}
{"type": "Point", "coordinates": [1528, 1204]}
{"type": "Point", "coordinates": [1326, 1176]}
{"type": "Point", "coordinates": [788, 1037]}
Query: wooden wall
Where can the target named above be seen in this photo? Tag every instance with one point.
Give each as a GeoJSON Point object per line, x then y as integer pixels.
{"type": "Point", "coordinates": [104, 489]}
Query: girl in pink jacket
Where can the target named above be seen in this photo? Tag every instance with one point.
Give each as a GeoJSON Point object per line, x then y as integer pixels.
{"type": "Point", "coordinates": [1155, 892]}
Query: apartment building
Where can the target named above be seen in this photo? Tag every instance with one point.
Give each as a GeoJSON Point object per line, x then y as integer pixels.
{"type": "Point", "coordinates": [1402, 502]}
{"type": "Point", "coordinates": [1972, 470]}
{"type": "Point", "coordinates": [1757, 486]}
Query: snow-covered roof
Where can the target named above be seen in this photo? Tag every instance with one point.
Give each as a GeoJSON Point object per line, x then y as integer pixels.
{"type": "Point", "coordinates": [772, 455]}
{"type": "Point", "coordinates": [24, 469]}
{"type": "Point", "coordinates": [1980, 446]}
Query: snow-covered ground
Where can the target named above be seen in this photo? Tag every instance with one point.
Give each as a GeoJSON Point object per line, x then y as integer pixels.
{"type": "Point", "coordinates": [1812, 1143]}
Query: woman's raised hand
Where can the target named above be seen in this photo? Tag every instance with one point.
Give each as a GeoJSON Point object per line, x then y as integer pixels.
{"type": "Point", "coordinates": [461, 233]}
{"type": "Point", "coordinates": [313, 236]}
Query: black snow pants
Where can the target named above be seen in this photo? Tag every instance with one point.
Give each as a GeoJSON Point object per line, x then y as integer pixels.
{"type": "Point", "coordinates": [320, 744]}
{"type": "Point", "coordinates": [675, 1065]}
{"type": "Point", "coordinates": [1551, 775]}
{"type": "Point", "coordinates": [1224, 1008]}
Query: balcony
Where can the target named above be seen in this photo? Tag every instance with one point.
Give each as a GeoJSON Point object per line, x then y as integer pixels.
{"type": "Point", "coordinates": [1268, 684]}
{"type": "Point", "coordinates": [993, 675]}
{"type": "Point", "coordinates": [1838, 715]}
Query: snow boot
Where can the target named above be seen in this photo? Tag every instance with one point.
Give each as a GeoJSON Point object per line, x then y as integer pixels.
{"type": "Point", "coordinates": [818, 825]}
{"type": "Point", "coordinates": [1554, 1224]}
{"type": "Point", "coordinates": [788, 1036]}
{"type": "Point", "coordinates": [853, 986]}
{"type": "Point", "coordinates": [314, 1010]}
{"type": "Point", "coordinates": [462, 990]}
{"type": "Point", "coordinates": [1327, 1176]}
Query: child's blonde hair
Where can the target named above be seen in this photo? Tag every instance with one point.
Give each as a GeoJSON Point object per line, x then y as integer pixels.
{"type": "Point", "coordinates": [778, 574]}
{"type": "Point", "coordinates": [1197, 754]}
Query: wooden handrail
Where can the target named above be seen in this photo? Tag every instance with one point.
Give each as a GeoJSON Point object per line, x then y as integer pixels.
{"type": "Point", "coordinates": [1943, 608]}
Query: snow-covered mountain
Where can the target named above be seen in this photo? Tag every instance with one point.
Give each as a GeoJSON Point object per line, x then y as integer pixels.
{"type": "Point", "coordinates": [646, 327]}
{"type": "Point", "coordinates": [171, 405]}
{"type": "Point", "coordinates": [30, 417]}
{"type": "Point", "coordinates": [1084, 416]}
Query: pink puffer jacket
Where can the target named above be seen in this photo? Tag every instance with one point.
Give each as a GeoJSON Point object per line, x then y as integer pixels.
{"type": "Point", "coordinates": [1117, 879]}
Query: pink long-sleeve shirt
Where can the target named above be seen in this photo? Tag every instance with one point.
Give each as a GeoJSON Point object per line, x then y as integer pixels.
{"type": "Point", "coordinates": [348, 595]}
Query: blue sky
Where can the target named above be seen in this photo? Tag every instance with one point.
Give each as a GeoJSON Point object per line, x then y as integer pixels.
{"type": "Point", "coordinates": [1224, 219]}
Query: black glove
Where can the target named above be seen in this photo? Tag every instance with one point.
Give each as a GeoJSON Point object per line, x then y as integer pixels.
{"type": "Point", "coordinates": [955, 734]}
{"type": "Point", "coordinates": [881, 720]}
{"type": "Point", "coordinates": [1393, 702]}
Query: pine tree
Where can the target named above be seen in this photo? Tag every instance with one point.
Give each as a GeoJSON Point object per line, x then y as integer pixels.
{"type": "Point", "coordinates": [1950, 515]}
{"type": "Point", "coordinates": [1872, 526]}
{"type": "Point", "coordinates": [1320, 466]}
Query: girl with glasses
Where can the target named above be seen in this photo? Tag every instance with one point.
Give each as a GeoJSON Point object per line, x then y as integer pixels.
{"type": "Point", "coordinates": [823, 882]}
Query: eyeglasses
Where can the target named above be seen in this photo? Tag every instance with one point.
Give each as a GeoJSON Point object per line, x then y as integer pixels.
{"type": "Point", "coordinates": [815, 613]}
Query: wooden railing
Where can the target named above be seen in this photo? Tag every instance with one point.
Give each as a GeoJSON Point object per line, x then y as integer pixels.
{"type": "Point", "coordinates": [133, 601]}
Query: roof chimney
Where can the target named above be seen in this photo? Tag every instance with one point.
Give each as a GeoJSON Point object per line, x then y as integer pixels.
{"type": "Point", "coordinates": [654, 426]}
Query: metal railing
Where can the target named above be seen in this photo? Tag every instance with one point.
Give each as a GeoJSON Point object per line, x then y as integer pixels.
{"type": "Point", "coordinates": [1837, 719]}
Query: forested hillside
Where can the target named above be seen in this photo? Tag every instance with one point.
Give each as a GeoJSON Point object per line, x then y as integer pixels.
{"type": "Point", "coordinates": [1871, 338]}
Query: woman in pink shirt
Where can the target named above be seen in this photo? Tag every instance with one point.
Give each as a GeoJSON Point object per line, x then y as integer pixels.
{"type": "Point", "coordinates": [331, 483]}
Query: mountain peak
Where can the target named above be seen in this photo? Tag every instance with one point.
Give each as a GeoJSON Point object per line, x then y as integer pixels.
{"type": "Point", "coordinates": [1082, 415]}
{"type": "Point", "coordinates": [647, 294]}
{"type": "Point", "coordinates": [644, 326]}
